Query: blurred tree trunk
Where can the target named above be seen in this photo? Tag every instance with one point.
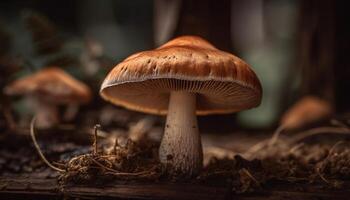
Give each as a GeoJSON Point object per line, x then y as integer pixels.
{"type": "Point", "coordinates": [324, 46]}
{"type": "Point", "coordinates": [342, 44]}
{"type": "Point", "coordinates": [317, 48]}
{"type": "Point", "coordinates": [208, 19]}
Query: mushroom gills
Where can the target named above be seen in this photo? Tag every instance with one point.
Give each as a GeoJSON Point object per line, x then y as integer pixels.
{"type": "Point", "coordinates": [181, 148]}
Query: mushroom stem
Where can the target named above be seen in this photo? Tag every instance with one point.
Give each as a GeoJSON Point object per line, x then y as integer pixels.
{"type": "Point", "coordinates": [181, 148]}
{"type": "Point", "coordinates": [46, 114]}
{"type": "Point", "coordinates": [71, 112]}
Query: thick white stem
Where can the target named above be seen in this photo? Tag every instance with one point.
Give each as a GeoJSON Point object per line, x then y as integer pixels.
{"type": "Point", "coordinates": [181, 148]}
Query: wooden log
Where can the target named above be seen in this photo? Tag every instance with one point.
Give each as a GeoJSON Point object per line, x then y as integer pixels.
{"type": "Point", "coordinates": [41, 188]}
{"type": "Point", "coordinates": [29, 188]}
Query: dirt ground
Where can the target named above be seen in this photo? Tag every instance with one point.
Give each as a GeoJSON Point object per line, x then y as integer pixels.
{"type": "Point", "coordinates": [245, 162]}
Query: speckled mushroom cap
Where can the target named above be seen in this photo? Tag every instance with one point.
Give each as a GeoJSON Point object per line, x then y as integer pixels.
{"type": "Point", "coordinates": [51, 84]}
{"type": "Point", "coordinates": [223, 82]}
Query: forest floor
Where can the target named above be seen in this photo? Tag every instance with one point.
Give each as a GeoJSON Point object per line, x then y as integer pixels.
{"type": "Point", "coordinates": [310, 164]}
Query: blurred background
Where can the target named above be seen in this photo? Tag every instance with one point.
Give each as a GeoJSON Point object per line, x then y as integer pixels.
{"type": "Point", "coordinates": [297, 48]}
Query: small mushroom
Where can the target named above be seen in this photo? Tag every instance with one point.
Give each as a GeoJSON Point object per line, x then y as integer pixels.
{"type": "Point", "coordinates": [181, 79]}
{"type": "Point", "coordinates": [49, 88]}
{"type": "Point", "coordinates": [308, 110]}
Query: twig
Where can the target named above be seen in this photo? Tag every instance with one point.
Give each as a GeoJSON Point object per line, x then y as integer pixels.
{"type": "Point", "coordinates": [322, 177]}
{"type": "Point", "coordinates": [296, 147]}
{"type": "Point", "coordinates": [37, 147]}
{"type": "Point", "coordinates": [326, 159]}
{"type": "Point", "coordinates": [333, 148]}
{"type": "Point", "coordinates": [293, 140]}
{"type": "Point", "coordinates": [108, 156]}
{"type": "Point", "coordinates": [219, 152]}
{"type": "Point", "coordinates": [115, 146]}
{"type": "Point", "coordinates": [139, 130]}
{"type": "Point", "coordinates": [267, 142]}
{"type": "Point", "coordinates": [250, 176]}
{"type": "Point", "coordinates": [321, 130]}
{"type": "Point", "coordinates": [338, 123]}
{"type": "Point", "coordinates": [115, 172]}
{"type": "Point", "coordinates": [100, 134]}
{"type": "Point", "coordinates": [97, 126]}
{"type": "Point", "coordinates": [276, 135]}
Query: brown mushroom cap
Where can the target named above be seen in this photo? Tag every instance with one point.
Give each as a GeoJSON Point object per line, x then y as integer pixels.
{"type": "Point", "coordinates": [142, 82]}
{"type": "Point", "coordinates": [53, 85]}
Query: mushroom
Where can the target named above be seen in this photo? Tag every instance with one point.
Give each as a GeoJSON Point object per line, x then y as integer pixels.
{"type": "Point", "coordinates": [308, 110]}
{"type": "Point", "coordinates": [49, 88]}
{"type": "Point", "coordinates": [183, 78]}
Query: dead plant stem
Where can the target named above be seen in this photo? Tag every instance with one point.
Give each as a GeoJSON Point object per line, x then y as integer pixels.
{"type": "Point", "coordinates": [37, 147]}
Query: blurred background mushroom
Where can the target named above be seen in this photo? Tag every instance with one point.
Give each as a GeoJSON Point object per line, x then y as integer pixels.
{"type": "Point", "coordinates": [307, 110]}
{"type": "Point", "coordinates": [47, 89]}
